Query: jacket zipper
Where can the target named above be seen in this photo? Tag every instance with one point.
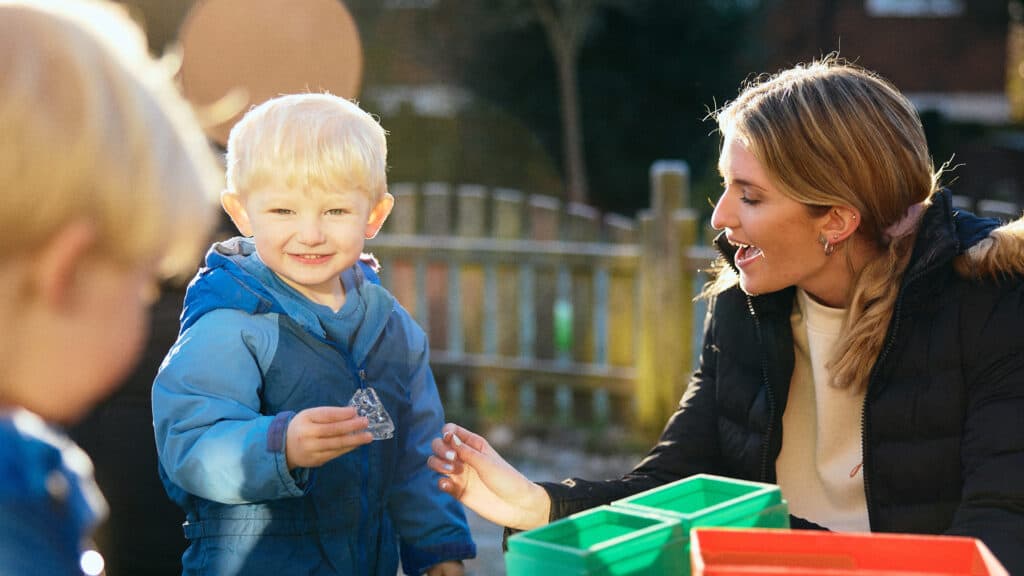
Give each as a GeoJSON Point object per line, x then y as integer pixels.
{"type": "Point", "coordinates": [364, 505]}
{"type": "Point", "coordinates": [872, 382]}
{"type": "Point", "coordinates": [769, 391]}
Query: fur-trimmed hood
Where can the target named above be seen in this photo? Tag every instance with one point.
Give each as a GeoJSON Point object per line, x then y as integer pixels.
{"type": "Point", "coordinates": [1000, 253]}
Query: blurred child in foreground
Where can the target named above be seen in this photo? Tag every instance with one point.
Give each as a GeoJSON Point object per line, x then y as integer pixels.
{"type": "Point", "coordinates": [283, 334]}
{"type": "Point", "coordinates": [107, 185]}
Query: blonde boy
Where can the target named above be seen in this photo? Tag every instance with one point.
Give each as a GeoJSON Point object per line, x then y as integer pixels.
{"type": "Point", "coordinates": [281, 332]}
{"type": "Point", "coordinates": [107, 184]}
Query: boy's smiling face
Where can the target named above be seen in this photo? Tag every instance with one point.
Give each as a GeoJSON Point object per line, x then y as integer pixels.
{"type": "Point", "coordinates": [308, 237]}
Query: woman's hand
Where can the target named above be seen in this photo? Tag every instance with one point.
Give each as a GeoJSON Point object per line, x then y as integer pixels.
{"type": "Point", "coordinates": [476, 475]}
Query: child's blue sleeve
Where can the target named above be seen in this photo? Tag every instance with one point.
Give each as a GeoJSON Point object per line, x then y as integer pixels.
{"type": "Point", "coordinates": [212, 440]}
{"type": "Point", "coordinates": [431, 524]}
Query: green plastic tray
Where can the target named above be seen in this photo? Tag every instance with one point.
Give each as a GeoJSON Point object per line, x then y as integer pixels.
{"type": "Point", "coordinates": [708, 500]}
{"type": "Point", "coordinates": [602, 541]}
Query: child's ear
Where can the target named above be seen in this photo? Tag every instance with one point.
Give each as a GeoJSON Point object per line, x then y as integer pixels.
{"type": "Point", "coordinates": [56, 265]}
{"type": "Point", "coordinates": [233, 205]}
{"type": "Point", "coordinates": [379, 214]}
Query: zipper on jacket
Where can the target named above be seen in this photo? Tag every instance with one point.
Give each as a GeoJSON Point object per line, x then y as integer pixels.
{"type": "Point", "coordinates": [364, 504]}
{"type": "Point", "coordinates": [364, 466]}
{"type": "Point", "coordinates": [766, 444]}
{"type": "Point", "coordinates": [872, 380]}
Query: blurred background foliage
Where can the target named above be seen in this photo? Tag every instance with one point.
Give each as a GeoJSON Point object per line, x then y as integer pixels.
{"type": "Point", "coordinates": [648, 72]}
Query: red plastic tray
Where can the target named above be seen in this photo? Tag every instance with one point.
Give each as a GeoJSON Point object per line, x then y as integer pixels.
{"type": "Point", "coordinates": [753, 552]}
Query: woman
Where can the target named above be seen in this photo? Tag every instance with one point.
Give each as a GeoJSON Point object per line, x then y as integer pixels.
{"type": "Point", "coordinates": [862, 347]}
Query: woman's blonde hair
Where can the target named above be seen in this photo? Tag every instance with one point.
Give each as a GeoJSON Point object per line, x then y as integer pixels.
{"type": "Point", "coordinates": [94, 127]}
{"type": "Point", "coordinates": [308, 141]}
{"type": "Point", "coordinates": [831, 133]}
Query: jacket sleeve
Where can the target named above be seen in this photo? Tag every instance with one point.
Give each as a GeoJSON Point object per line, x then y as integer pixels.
{"type": "Point", "coordinates": [992, 445]}
{"type": "Point", "coordinates": [688, 443]}
{"type": "Point", "coordinates": [211, 438]}
{"type": "Point", "coordinates": [432, 525]}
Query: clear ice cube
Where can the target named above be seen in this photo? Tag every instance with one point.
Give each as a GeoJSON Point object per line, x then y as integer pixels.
{"type": "Point", "coordinates": [368, 404]}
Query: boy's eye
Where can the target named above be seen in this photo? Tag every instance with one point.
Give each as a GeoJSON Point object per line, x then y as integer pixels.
{"type": "Point", "coordinates": [336, 212]}
{"type": "Point", "coordinates": [280, 211]}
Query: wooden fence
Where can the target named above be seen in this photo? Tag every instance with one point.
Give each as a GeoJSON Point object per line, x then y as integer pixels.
{"type": "Point", "coordinates": [544, 314]}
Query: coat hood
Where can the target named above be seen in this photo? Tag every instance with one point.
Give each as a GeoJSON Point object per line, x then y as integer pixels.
{"type": "Point", "coordinates": [998, 253]}
{"type": "Point", "coordinates": [229, 281]}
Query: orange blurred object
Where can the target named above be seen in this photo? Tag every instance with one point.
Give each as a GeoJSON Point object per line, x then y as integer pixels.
{"type": "Point", "coordinates": [239, 53]}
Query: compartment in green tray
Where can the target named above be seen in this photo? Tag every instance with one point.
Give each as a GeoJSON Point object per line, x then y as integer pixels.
{"type": "Point", "coordinates": [605, 541]}
{"type": "Point", "coordinates": [708, 500]}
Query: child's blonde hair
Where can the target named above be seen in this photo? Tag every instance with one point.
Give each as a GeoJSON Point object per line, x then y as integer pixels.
{"type": "Point", "coordinates": [93, 127]}
{"type": "Point", "coordinates": [308, 141]}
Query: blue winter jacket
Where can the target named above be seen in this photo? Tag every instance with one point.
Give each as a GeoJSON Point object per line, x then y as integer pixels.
{"type": "Point", "coordinates": [49, 502]}
{"type": "Point", "coordinates": [252, 352]}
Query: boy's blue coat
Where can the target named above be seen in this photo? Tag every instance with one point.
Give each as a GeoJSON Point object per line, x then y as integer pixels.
{"type": "Point", "coordinates": [247, 359]}
{"type": "Point", "coordinates": [49, 503]}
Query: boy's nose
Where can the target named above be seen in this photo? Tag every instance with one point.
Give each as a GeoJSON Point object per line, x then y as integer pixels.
{"type": "Point", "coordinates": [311, 233]}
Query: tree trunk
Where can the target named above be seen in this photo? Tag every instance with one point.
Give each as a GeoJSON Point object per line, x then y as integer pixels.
{"type": "Point", "coordinates": [564, 29]}
{"type": "Point", "coordinates": [572, 129]}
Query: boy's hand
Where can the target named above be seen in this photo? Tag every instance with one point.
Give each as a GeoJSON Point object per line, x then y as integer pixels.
{"type": "Point", "coordinates": [318, 435]}
{"type": "Point", "coordinates": [449, 568]}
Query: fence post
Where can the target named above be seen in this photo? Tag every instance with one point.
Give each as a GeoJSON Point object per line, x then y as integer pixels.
{"type": "Point", "coordinates": [667, 229]}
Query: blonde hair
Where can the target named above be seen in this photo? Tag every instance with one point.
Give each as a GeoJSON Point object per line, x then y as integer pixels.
{"type": "Point", "coordinates": [308, 141]}
{"type": "Point", "coordinates": [93, 127]}
{"type": "Point", "coordinates": [831, 133]}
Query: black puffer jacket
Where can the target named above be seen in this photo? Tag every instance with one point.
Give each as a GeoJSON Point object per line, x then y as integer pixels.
{"type": "Point", "coordinates": [943, 421]}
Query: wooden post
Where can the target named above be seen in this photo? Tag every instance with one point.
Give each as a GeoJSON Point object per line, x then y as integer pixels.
{"type": "Point", "coordinates": [398, 274]}
{"type": "Point", "coordinates": [582, 225]}
{"type": "Point", "coordinates": [433, 273]}
{"type": "Point", "coordinates": [623, 312]}
{"type": "Point", "coordinates": [666, 308]}
{"type": "Point", "coordinates": [538, 298]}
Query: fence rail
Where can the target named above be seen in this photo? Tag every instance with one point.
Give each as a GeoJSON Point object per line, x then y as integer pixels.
{"type": "Point", "coordinates": [539, 312]}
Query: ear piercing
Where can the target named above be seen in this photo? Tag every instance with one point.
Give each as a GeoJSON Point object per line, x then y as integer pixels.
{"type": "Point", "coordinates": [829, 247]}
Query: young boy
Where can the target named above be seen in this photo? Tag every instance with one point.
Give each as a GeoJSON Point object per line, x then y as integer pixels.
{"type": "Point", "coordinates": [107, 183]}
{"type": "Point", "coordinates": [281, 332]}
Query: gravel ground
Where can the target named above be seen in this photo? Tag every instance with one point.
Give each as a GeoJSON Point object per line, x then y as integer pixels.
{"type": "Point", "coordinates": [539, 461]}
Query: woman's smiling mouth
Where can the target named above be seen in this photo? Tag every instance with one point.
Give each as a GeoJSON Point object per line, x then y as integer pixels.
{"type": "Point", "coordinates": [746, 254]}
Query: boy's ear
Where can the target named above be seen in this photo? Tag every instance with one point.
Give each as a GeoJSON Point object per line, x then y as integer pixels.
{"type": "Point", "coordinates": [379, 214]}
{"type": "Point", "coordinates": [233, 205]}
{"type": "Point", "coordinates": [56, 265]}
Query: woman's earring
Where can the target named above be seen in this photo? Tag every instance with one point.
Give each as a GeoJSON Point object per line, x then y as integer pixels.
{"type": "Point", "coordinates": [829, 248]}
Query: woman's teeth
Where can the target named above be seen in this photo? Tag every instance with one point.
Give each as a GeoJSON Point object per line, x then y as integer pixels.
{"type": "Point", "coordinates": [749, 251]}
